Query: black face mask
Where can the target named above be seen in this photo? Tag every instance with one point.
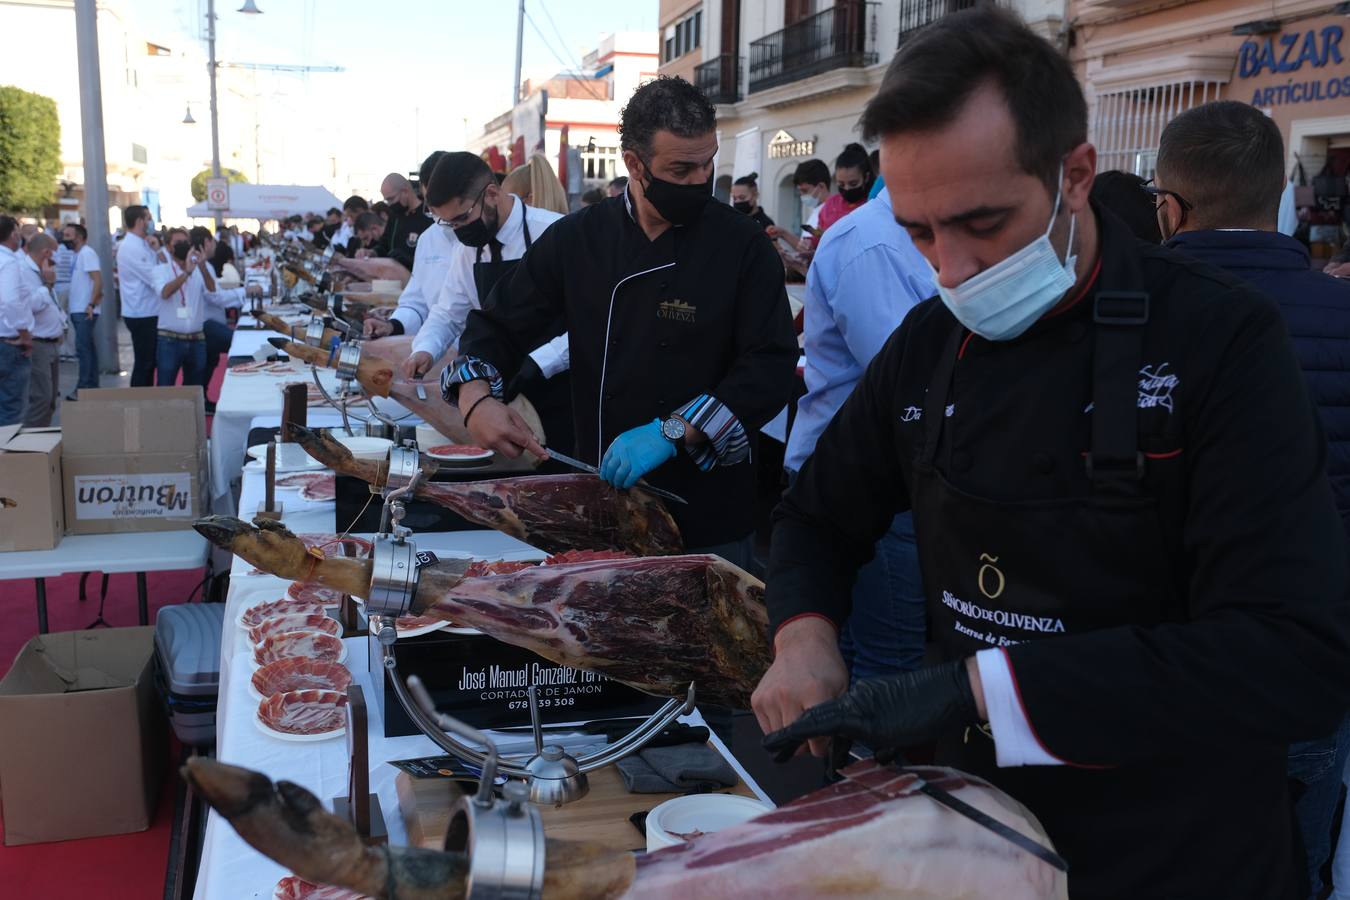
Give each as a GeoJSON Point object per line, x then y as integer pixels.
{"type": "Point", "coordinates": [69, 245]}
{"type": "Point", "coordinates": [180, 251]}
{"type": "Point", "coordinates": [854, 195]}
{"type": "Point", "coordinates": [397, 209]}
{"type": "Point", "coordinates": [480, 232]}
{"type": "Point", "coordinates": [678, 204]}
{"type": "Point", "coordinates": [744, 206]}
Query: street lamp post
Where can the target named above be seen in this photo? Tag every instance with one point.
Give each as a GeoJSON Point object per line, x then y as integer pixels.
{"type": "Point", "coordinates": [215, 117]}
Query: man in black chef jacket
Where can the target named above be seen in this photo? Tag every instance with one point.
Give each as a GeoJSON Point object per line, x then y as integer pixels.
{"type": "Point", "coordinates": [408, 218]}
{"type": "Point", "coordinates": [1134, 567]}
{"type": "Point", "coordinates": [680, 335]}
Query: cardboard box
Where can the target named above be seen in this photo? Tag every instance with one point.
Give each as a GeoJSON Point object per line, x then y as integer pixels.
{"type": "Point", "coordinates": [83, 745]}
{"type": "Point", "coordinates": [32, 514]}
{"type": "Point", "coordinates": [134, 459]}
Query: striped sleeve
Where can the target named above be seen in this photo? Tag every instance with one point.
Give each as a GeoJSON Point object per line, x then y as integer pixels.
{"type": "Point", "coordinates": [466, 369]}
{"type": "Point", "coordinates": [727, 442]}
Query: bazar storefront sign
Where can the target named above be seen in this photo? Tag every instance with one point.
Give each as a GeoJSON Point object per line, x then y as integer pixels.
{"type": "Point", "coordinates": [784, 145]}
{"type": "Point", "coordinates": [1304, 55]}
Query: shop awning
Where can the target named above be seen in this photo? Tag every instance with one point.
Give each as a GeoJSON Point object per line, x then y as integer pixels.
{"type": "Point", "coordinates": [271, 201]}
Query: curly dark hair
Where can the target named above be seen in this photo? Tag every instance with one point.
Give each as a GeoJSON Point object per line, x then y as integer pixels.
{"type": "Point", "coordinates": [666, 103]}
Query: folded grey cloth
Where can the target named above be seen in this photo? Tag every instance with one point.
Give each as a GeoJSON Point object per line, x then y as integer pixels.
{"type": "Point", "coordinates": [676, 770]}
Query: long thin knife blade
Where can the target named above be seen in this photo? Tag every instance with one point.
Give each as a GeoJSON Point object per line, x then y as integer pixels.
{"type": "Point", "coordinates": [961, 807]}
{"type": "Point", "coordinates": [587, 467]}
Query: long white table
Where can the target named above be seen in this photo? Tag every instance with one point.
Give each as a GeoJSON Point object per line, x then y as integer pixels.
{"type": "Point", "coordinates": [139, 552]}
{"type": "Point", "coordinates": [231, 869]}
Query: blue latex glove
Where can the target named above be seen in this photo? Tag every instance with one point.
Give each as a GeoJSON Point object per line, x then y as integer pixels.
{"type": "Point", "coordinates": [635, 453]}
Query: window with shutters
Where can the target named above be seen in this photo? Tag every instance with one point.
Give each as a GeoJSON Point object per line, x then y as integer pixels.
{"type": "Point", "coordinates": [1127, 124]}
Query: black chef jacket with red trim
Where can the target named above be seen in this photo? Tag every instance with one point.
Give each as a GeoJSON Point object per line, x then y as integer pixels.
{"type": "Point", "coordinates": [650, 326]}
{"type": "Point", "coordinates": [1188, 720]}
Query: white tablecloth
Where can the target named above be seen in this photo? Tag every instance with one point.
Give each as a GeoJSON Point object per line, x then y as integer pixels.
{"type": "Point", "coordinates": [229, 867]}
{"type": "Point", "coordinates": [142, 551]}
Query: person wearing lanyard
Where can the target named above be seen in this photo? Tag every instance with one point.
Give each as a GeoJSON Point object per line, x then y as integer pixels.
{"type": "Point", "coordinates": [186, 286]}
{"type": "Point", "coordinates": [431, 260]}
{"type": "Point", "coordinates": [679, 331]}
{"type": "Point", "coordinates": [492, 231]}
{"type": "Point", "coordinates": [1134, 569]}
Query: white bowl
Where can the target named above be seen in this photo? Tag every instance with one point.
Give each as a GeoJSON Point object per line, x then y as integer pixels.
{"type": "Point", "coordinates": [365, 447]}
{"type": "Point", "coordinates": [698, 812]}
{"type": "Point", "coordinates": [290, 458]}
{"type": "Point", "coordinates": [386, 286]}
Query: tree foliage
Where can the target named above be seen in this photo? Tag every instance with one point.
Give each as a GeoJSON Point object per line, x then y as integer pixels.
{"type": "Point", "coordinates": [30, 150]}
{"type": "Point", "coordinates": [234, 176]}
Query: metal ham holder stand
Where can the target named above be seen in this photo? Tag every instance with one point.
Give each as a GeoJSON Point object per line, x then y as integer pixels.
{"type": "Point", "coordinates": [346, 358]}
{"type": "Point", "coordinates": [504, 839]}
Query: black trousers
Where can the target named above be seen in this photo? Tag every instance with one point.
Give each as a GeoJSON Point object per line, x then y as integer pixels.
{"type": "Point", "coordinates": [218, 336]}
{"type": "Point", "coordinates": [144, 338]}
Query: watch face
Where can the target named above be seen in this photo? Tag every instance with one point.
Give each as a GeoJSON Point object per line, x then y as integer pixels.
{"type": "Point", "coordinates": [673, 429]}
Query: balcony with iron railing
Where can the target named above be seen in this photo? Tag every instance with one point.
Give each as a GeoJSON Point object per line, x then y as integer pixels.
{"type": "Point", "coordinates": [720, 78]}
{"type": "Point", "coordinates": [843, 36]}
{"type": "Point", "coordinates": [915, 14]}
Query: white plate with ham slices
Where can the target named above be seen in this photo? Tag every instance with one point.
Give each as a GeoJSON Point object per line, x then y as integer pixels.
{"type": "Point", "coordinates": [414, 626]}
{"type": "Point", "coordinates": [298, 674]}
{"type": "Point", "coordinates": [293, 622]}
{"type": "Point", "coordinates": [293, 887]}
{"type": "Point", "coordinates": [305, 644]}
{"type": "Point", "coordinates": [309, 715]}
{"type": "Point", "coordinates": [314, 593]}
{"type": "Point", "coordinates": [255, 615]}
{"type": "Point", "coordinates": [464, 454]}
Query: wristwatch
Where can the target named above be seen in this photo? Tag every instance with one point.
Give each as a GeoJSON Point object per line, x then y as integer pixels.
{"type": "Point", "coordinates": [673, 429]}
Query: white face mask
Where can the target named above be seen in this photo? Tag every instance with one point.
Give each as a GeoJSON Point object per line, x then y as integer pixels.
{"type": "Point", "coordinates": [810, 201]}
{"type": "Point", "coordinates": [1007, 298]}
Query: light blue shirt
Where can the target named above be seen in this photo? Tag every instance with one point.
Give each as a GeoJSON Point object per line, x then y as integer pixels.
{"type": "Point", "coordinates": [865, 277]}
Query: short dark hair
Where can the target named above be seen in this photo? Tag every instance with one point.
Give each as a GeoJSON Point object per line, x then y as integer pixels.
{"type": "Point", "coordinates": [938, 69]}
{"type": "Point", "coordinates": [333, 211]}
{"type": "Point", "coordinates": [367, 220]}
{"type": "Point", "coordinates": [133, 214]}
{"type": "Point", "coordinates": [458, 176]}
{"type": "Point", "coordinates": [199, 235]}
{"type": "Point", "coordinates": [621, 182]}
{"type": "Point", "coordinates": [813, 171]}
{"type": "Point", "coordinates": [379, 206]}
{"type": "Point", "coordinates": [593, 196]}
{"type": "Point", "coordinates": [355, 203]}
{"type": "Point", "coordinates": [1227, 159]}
{"type": "Point", "coordinates": [7, 226]}
{"type": "Point", "coordinates": [428, 166]}
{"type": "Point", "coordinates": [666, 103]}
{"type": "Point", "coordinates": [79, 229]}
{"type": "Point", "coordinates": [1123, 194]}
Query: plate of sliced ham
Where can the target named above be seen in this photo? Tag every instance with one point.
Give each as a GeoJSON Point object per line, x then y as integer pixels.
{"type": "Point", "coordinates": [459, 453]}
{"type": "Point", "coordinates": [256, 615]}
{"type": "Point", "coordinates": [319, 490]}
{"type": "Point", "coordinates": [307, 644]}
{"type": "Point", "coordinates": [413, 626]}
{"type": "Point", "coordinates": [293, 887]}
{"type": "Point", "coordinates": [299, 480]}
{"type": "Point", "coordinates": [293, 622]}
{"type": "Point", "coordinates": [299, 674]}
{"type": "Point", "coordinates": [309, 715]}
{"type": "Point", "coordinates": [314, 593]}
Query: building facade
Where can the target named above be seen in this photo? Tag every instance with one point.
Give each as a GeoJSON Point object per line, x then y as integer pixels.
{"type": "Point", "coordinates": [1141, 65]}
{"type": "Point", "coordinates": [790, 77]}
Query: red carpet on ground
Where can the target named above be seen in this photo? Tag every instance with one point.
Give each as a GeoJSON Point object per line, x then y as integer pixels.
{"type": "Point", "coordinates": [117, 867]}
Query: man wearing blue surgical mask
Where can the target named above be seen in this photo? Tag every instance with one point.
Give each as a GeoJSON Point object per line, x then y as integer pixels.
{"type": "Point", "coordinates": [1137, 583]}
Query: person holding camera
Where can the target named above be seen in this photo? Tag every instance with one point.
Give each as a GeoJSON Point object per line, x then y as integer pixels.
{"type": "Point", "coordinates": [186, 285]}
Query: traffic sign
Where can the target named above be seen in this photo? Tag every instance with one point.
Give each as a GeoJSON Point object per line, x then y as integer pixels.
{"type": "Point", "coordinates": [217, 193]}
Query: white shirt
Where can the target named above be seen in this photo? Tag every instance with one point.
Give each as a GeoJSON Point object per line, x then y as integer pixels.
{"type": "Point", "coordinates": [431, 262]}
{"type": "Point", "coordinates": [64, 260]}
{"type": "Point", "coordinates": [136, 264]}
{"type": "Point", "coordinates": [185, 309]}
{"type": "Point", "coordinates": [459, 295]}
{"type": "Point", "coordinates": [343, 235]}
{"type": "Point", "coordinates": [37, 306]}
{"type": "Point", "coordinates": [81, 285]}
{"type": "Point", "coordinates": [12, 311]}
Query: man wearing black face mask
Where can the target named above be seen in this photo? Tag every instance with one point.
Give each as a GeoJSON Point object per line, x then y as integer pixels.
{"type": "Point", "coordinates": [680, 337]}
{"type": "Point", "coordinates": [407, 220]}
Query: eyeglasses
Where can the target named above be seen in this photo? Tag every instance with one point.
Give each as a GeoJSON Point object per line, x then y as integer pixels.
{"type": "Point", "coordinates": [1160, 193]}
{"type": "Point", "coordinates": [464, 217]}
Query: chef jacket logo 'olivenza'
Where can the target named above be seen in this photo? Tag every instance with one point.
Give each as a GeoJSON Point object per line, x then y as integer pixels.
{"type": "Point", "coordinates": [676, 311]}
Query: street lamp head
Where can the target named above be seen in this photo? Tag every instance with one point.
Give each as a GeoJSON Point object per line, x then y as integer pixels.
{"type": "Point", "coordinates": [250, 8]}
{"type": "Point", "coordinates": [187, 119]}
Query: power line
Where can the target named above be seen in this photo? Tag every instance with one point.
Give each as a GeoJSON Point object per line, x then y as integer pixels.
{"type": "Point", "coordinates": [562, 42]}
{"type": "Point", "coordinates": [562, 62]}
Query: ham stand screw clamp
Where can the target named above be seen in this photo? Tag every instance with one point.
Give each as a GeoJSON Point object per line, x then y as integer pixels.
{"type": "Point", "coordinates": [553, 776]}
{"type": "Point", "coordinates": [346, 359]}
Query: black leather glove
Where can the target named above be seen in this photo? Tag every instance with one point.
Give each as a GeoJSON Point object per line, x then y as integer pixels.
{"type": "Point", "coordinates": [528, 376]}
{"type": "Point", "coordinates": [887, 713]}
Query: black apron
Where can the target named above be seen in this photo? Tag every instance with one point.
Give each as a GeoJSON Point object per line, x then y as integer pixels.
{"type": "Point", "coordinates": [999, 573]}
{"type": "Point", "coordinates": [552, 398]}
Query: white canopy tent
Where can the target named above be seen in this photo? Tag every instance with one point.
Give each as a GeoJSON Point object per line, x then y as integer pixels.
{"type": "Point", "coordinates": [270, 201]}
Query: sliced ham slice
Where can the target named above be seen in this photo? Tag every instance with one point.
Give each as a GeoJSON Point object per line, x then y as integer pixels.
{"type": "Point", "coordinates": [293, 622]}
{"type": "Point", "coordinates": [285, 606]}
{"type": "Point", "coordinates": [572, 556]}
{"type": "Point", "coordinates": [300, 479]}
{"type": "Point", "coordinates": [299, 674]}
{"type": "Point", "coordinates": [479, 568]}
{"type": "Point", "coordinates": [308, 644]}
{"type": "Point", "coordinates": [314, 593]}
{"type": "Point", "coordinates": [408, 623]}
{"type": "Point", "coordinates": [304, 712]}
{"type": "Point", "coordinates": [293, 887]}
{"type": "Point", "coordinates": [322, 488]}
